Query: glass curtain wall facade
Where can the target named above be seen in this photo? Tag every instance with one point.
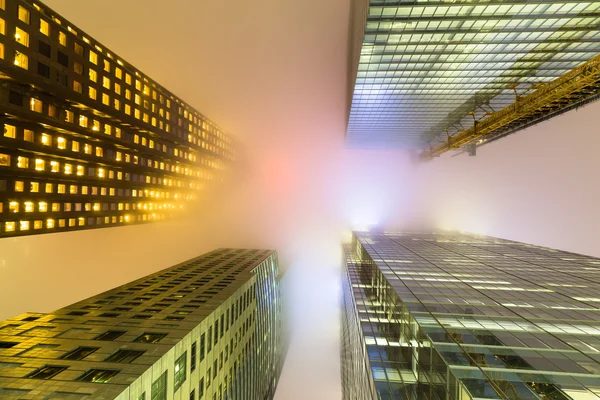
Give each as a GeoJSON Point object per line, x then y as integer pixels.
{"type": "Point", "coordinates": [457, 316]}
{"type": "Point", "coordinates": [209, 328]}
{"type": "Point", "coordinates": [89, 140]}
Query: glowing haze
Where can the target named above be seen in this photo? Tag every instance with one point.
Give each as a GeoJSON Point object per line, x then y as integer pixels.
{"type": "Point", "coordinates": [273, 73]}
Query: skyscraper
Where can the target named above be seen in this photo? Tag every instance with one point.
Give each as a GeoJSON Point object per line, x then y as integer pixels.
{"type": "Point", "coordinates": [455, 316]}
{"type": "Point", "coordinates": [208, 328]}
{"type": "Point", "coordinates": [90, 141]}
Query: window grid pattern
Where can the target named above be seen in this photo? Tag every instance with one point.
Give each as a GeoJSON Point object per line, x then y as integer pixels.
{"type": "Point", "coordinates": [462, 316]}
{"type": "Point", "coordinates": [423, 66]}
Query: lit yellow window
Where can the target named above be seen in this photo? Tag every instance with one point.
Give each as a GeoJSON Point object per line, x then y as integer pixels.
{"type": "Point", "coordinates": [43, 206]}
{"type": "Point", "coordinates": [22, 37]}
{"type": "Point", "coordinates": [111, 192]}
{"type": "Point", "coordinates": [93, 75]}
{"type": "Point", "coordinates": [106, 66]}
{"type": "Point", "coordinates": [23, 14]}
{"type": "Point", "coordinates": [44, 27]}
{"type": "Point", "coordinates": [21, 60]}
{"type": "Point", "coordinates": [77, 87]}
{"type": "Point", "coordinates": [55, 207]}
{"type": "Point", "coordinates": [118, 132]}
{"type": "Point", "coordinates": [143, 141]}
{"type": "Point", "coordinates": [80, 170]}
{"type": "Point", "coordinates": [106, 82]}
{"type": "Point", "coordinates": [111, 174]}
{"type": "Point", "coordinates": [127, 109]}
{"type": "Point", "coordinates": [128, 94]}
{"type": "Point", "coordinates": [54, 166]}
{"type": "Point", "coordinates": [168, 103]}
{"type": "Point", "coordinates": [61, 223]}
{"type": "Point", "coordinates": [73, 189]}
{"type": "Point", "coordinates": [68, 169]}
{"type": "Point", "coordinates": [75, 146]}
{"type": "Point", "coordinates": [69, 116]}
{"type": "Point", "coordinates": [81, 221]}
{"type": "Point", "coordinates": [22, 162]}
{"type": "Point", "coordinates": [99, 152]}
{"type": "Point", "coordinates": [136, 139]}
{"type": "Point", "coordinates": [72, 222]}
{"type": "Point", "coordinates": [118, 156]}
{"type": "Point", "coordinates": [137, 99]}
{"type": "Point", "coordinates": [92, 93]}
{"type": "Point", "coordinates": [61, 143]}
{"type": "Point", "coordinates": [49, 188]}
{"type": "Point", "coordinates": [2, 50]}
{"type": "Point", "coordinates": [83, 121]}
{"type": "Point", "coordinates": [9, 226]}
{"type": "Point", "coordinates": [102, 191]}
{"type": "Point", "coordinates": [35, 105]}
{"type": "Point", "coordinates": [117, 104]}
{"type": "Point", "coordinates": [10, 131]}
{"type": "Point", "coordinates": [96, 207]}
{"type": "Point", "coordinates": [13, 206]}
{"type": "Point", "coordinates": [101, 173]}
{"type": "Point", "coordinates": [39, 164]}
{"type": "Point", "coordinates": [46, 139]}
{"type": "Point", "coordinates": [61, 188]}
{"type": "Point", "coordinates": [2, 26]}
{"type": "Point", "coordinates": [145, 117]}
{"type": "Point", "coordinates": [117, 88]}
{"type": "Point", "coordinates": [49, 223]}
{"type": "Point", "coordinates": [87, 149]}
{"type": "Point", "coordinates": [96, 125]}
{"type": "Point", "coordinates": [119, 175]}
{"type": "Point", "coordinates": [137, 113]}
{"type": "Point", "coordinates": [118, 73]}
{"type": "Point", "coordinates": [62, 38]}
{"type": "Point", "coordinates": [105, 99]}
{"type": "Point", "coordinates": [38, 224]}
{"type": "Point", "coordinates": [93, 57]}
{"type": "Point", "coordinates": [153, 121]}
{"type": "Point", "coordinates": [4, 160]}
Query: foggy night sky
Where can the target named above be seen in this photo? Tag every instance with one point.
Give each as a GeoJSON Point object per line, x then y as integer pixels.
{"type": "Point", "coordinates": [273, 73]}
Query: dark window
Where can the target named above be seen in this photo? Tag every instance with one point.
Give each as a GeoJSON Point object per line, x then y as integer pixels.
{"type": "Point", "coordinates": [193, 395]}
{"type": "Point", "coordinates": [79, 353]}
{"type": "Point", "coordinates": [141, 316]}
{"type": "Point", "coordinates": [222, 321]}
{"type": "Point", "coordinates": [30, 318]}
{"type": "Point", "coordinates": [46, 372]}
{"type": "Point", "coordinates": [109, 314]}
{"type": "Point", "coordinates": [150, 337]}
{"type": "Point", "coordinates": [180, 370]}
{"type": "Point", "coordinates": [173, 318]}
{"type": "Point", "coordinates": [98, 375]}
{"type": "Point", "coordinates": [159, 388]}
{"type": "Point", "coordinates": [44, 49]}
{"type": "Point", "coordinates": [15, 98]}
{"type": "Point", "coordinates": [193, 357]}
{"type": "Point", "coordinates": [78, 313]}
{"type": "Point", "coordinates": [124, 356]}
{"type": "Point", "coordinates": [202, 340]}
{"type": "Point", "coordinates": [109, 335]}
{"type": "Point", "coordinates": [62, 59]}
{"type": "Point", "coordinates": [7, 345]}
{"type": "Point", "coordinates": [201, 389]}
{"type": "Point", "coordinates": [209, 341]}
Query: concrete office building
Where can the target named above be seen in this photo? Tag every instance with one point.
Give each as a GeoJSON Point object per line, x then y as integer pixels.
{"type": "Point", "coordinates": [456, 316]}
{"type": "Point", "coordinates": [209, 328]}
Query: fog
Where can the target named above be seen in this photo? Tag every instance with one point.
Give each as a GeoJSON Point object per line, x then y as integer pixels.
{"type": "Point", "coordinates": [273, 74]}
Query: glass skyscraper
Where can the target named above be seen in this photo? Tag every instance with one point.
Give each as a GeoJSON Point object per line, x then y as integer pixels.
{"type": "Point", "coordinates": [456, 316]}
{"type": "Point", "coordinates": [209, 328]}
{"type": "Point", "coordinates": [90, 141]}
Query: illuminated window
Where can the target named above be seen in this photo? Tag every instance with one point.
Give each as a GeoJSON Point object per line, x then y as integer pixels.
{"type": "Point", "coordinates": [44, 27]}
{"type": "Point", "coordinates": [136, 139]}
{"type": "Point", "coordinates": [71, 221]}
{"type": "Point", "coordinates": [84, 190]}
{"type": "Point", "coordinates": [49, 223]}
{"type": "Point", "coordinates": [61, 188]}
{"type": "Point", "coordinates": [128, 79]}
{"type": "Point", "coordinates": [81, 221]}
{"type": "Point", "coordinates": [101, 173]}
{"type": "Point", "coordinates": [34, 187]}
{"type": "Point", "coordinates": [106, 82]}
{"type": "Point", "coordinates": [118, 73]}
{"type": "Point", "coordinates": [128, 94]}
{"type": "Point", "coordinates": [54, 166]}
{"type": "Point", "coordinates": [22, 162]}
{"type": "Point", "coordinates": [69, 116]}
{"type": "Point", "coordinates": [117, 88]}
{"type": "Point", "coordinates": [21, 60]}
{"type": "Point", "coordinates": [96, 207]}
{"type": "Point", "coordinates": [22, 37]}
{"type": "Point", "coordinates": [77, 87]}
{"type": "Point", "coordinates": [61, 143]}
{"type": "Point", "coordinates": [9, 226]}
{"type": "Point", "coordinates": [46, 139]}
{"type": "Point", "coordinates": [80, 170]}
{"type": "Point", "coordinates": [52, 110]}
{"type": "Point", "coordinates": [83, 121]}
{"type": "Point", "coordinates": [105, 99]}
{"type": "Point", "coordinates": [68, 169]}
{"type": "Point", "coordinates": [78, 48]}
{"type": "Point", "coordinates": [106, 66]}
{"type": "Point", "coordinates": [43, 206]}
{"type": "Point", "coordinates": [4, 160]}
{"type": "Point", "coordinates": [55, 207]}
{"type": "Point", "coordinates": [118, 132]}
{"type": "Point", "coordinates": [2, 50]}
{"type": "Point", "coordinates": [39, 164]}
{"type": "Point", "coordinates": [35, 105]}
{"type": "Point", "coordinates": [61, 223]}
{"type": "Point", "coordinates": [19, 186]}
{"type": "Point", "coordinates": [38, 224]}
{"type": "Point", "coordinates": [117, 104]}
{"type": "Point", "coordinates": [49, 188]}
{"type": "Point", "coordinates": [73, 189]}
{"type": "Point", "coordinates": [23, 225]}
{"type": "Point", "coordinates": [93, 57]}
{"type": "Point", "coordinates": [92, 93]}
{"type": "Point", "coordinates": [10, 131]}
{"type": "Point", "coordinates": [96, 125]}
{"type": "Point", "coordinates": [99, 152]}
{"type": "Point", "coordinates": [24, 14]}
{"type": "Point", "coordinates": [13, 206]}
{"type": "Point", "coordinates": [137, 113]}
{"type": "Point", "coordinates": [137, 99]}
{"type": "Point", "coordinates": [2, 26]}
{"type": "Point", "coordinates": [62, 38]}
{"type": "Point", "coordinates": [127, 109]}
{"type": "Point", "coordinates": [75, 146]}
{"type": "Point", "coordinates": [87, 149]}
{"type": "Point", "coordinates": [93, 75]}
{"type": "Point", "coordinates": [138, 85]}
{"type": "Point", "coordinates": [118, 156]}
{"type": "Point", "coordinates": [28, 206]}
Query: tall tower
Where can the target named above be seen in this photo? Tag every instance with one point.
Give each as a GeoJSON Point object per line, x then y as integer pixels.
{"type": "Point", "coordinates": [90, 141]}
{"type": "Point", "coordinates": [208, 328]}
{"type": "Point", "coordinates": [454, 316]}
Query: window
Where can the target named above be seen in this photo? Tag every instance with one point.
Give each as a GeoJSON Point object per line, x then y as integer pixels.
{"type": "Point", "coordinates": [93, 75]}
{"type": "Point", "coordinates": [62, 59]}
{"type": "Point", "coordinates": [109, 335]}
{"type": "Point", "coordinates": [62, 39]}
{"type": "Point", "coordinates": [98, 375]}
{"type": "Point", "coordinates": [78, 49]}
{"type": "Point", "coordinates": [106, 82]}
{"type": "Point", "coordinates": [193, 357]}
{"type": "Point", "coordinates": [150, 338]}
{"type": "Point", "coordinates": [159, 388]}
{"type": "Point", "coordinates": [202, 341]}
{"type": "Point", "coordinates": [92, 93]}
{"type": "Point", "coordinates": [193, 395]}
{"type": "Point", "coordinates": [22, 37]}
{"type": "Point", "coordinates": [7, 345]}
{"type": "Point", "coordinates": [124, 356]}
{"type": "Point", "coordinates": [24, 14]}
{"type": "Point", "coordinates": [43, 70]}
{"type": "Point", "coordinates": [44, 27]}
{"type": "Point", "coordinates": [46, 372]}
{"type": "Point", "coordinates": [93, 57]}
{"type": "Point", "coordinates": [79, 353]}
{"type": "Point", "coordinates": [209, 341]}
{"type": "Point", "coordinates": [21, 60]}
{"type": "Point", "coordinates": [10, 131]}
{"type": "Point", "coordinates": [35, 105]}
{"type": "Point", "coordinates": [180, 371]}
{"type": "Point", "coordinates": [201, 389]}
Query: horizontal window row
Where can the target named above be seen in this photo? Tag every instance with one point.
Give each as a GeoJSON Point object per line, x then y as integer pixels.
{"type": "Point", "coordinates": [51, 223]}
{"type": "Point", "coordinates": [53, 206]}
